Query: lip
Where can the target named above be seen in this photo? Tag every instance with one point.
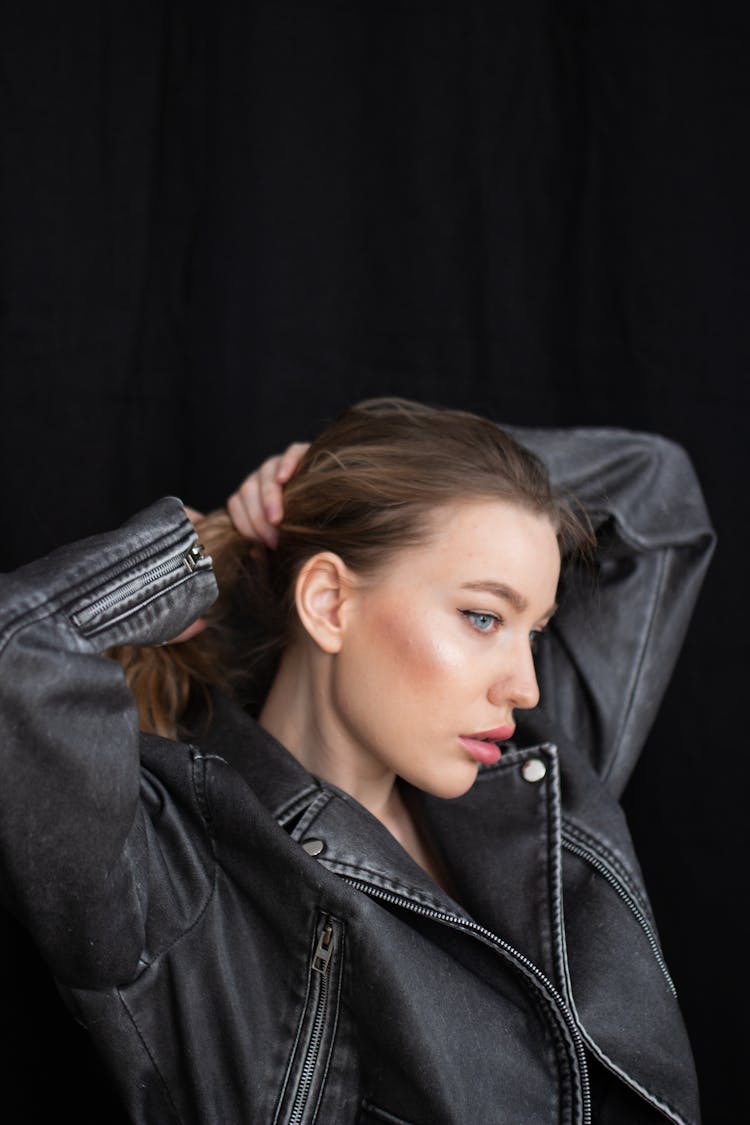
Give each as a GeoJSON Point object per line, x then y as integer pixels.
{"type": "Point", "coordinates": [486, 753]}
{"type": "Point", "coordinates": [497, 734]}
{"type": "Point", "coordinates": [482, 747]}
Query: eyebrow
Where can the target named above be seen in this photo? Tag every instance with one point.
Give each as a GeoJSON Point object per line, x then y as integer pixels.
{"type": "Point", "coordinates": [507, 593]}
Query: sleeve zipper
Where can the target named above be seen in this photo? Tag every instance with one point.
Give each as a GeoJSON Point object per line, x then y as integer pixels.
{"type": "Point", "coordinates": [182, 566]}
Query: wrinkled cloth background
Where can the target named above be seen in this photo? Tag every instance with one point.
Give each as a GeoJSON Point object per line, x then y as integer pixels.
{"type": "Point", "coordinates": [220, 225]}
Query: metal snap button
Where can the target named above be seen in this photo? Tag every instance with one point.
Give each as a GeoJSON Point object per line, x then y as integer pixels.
{"type": "Point", "coordinates": [313, 847]}
{"type": "Point", "coordinates": [533, 769]}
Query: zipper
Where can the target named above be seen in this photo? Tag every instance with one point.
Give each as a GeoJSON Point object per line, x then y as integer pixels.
{"type": "Point", "coordinates": [476, 930]}
{"type": "Point", "coordinates": [315, 1022]}
{"type": "Point", "coordinates": [595, 860]}
{"type": "Point", "coordinates": [183, 565]}
{"type": "Point", "coordinates": [320, 961]}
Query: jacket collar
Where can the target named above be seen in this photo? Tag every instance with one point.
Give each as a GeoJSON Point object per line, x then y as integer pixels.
{"type": "Point", "coordinates": [324, 820]}
{"type": "Point", "coordinates": [276, 778]}
{"type": "Point", "coordinates": [483, 837]}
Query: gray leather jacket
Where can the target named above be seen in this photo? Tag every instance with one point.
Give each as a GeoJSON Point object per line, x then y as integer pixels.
{"type": "Point", "coordinates": [247, 944]}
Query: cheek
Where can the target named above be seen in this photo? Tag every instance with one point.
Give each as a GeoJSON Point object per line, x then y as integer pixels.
{"type": "Point", "coordinates": [416, 649]}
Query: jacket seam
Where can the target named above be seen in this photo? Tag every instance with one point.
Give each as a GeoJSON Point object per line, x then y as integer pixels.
{"type": "Point", "coordinates": [63, 600]}
{"type": "Point", "coordinates": [568, 1089]}
{"type": "Point", "coordinates": [554, 819]}
{"type": "Point", "coordinates": [337, 1013]}
{"type": "Point", "coordinates": [152, 1060]}
{"type": "Point", "coordinates": [383, 1114]}
{"type": "Point", "coordinates": [164, 950]}
{"type": "Point", "coordinates": [341, 867]}
{"type": "Point", "coordinates": [601, 847]}
{"type": "Point", "coordinates": [63, 604]}
{"type": "Point", "coordinates": [639, 663]}
{"type": "Point", "coordinates": [148, 963]}
{"type": "Point", "coordinates": [655, 1099]}
{"type": "Point", "coordinates": [320, 914]}
{"type": "Point", "coordinates": [200, 789]}
{"type": "Point", "coordinates": [86, 631]}
{"type": "Point", "coordinates": [167, 538]}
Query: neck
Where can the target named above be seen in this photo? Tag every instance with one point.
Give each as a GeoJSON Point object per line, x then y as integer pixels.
{"type": "Point", "coordinates": [299, 713]}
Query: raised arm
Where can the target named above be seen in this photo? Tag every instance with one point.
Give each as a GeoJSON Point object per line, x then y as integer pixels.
{"type": "Point", "coordinates": [72, 842]}
{"type": "Point", "coordinates": [613, 644]}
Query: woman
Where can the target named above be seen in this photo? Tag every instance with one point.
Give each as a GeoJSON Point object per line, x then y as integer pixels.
{"type": "Point", "coordinates": [379, 901]}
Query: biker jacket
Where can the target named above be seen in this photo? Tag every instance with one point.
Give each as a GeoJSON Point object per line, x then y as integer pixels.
{"type": "Point", "coordinates": [246, 943]}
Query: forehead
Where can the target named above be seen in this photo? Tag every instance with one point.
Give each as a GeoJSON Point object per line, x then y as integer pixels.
{"type": "Point", "coordinates": [482, 541]}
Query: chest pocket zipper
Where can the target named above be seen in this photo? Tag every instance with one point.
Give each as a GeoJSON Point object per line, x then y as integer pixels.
{"type": "Point", "coordinates": [306, 1072]}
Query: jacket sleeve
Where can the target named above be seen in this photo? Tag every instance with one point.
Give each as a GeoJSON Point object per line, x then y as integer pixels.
{"type": "Point", "coordinates": [611, 648]}
{"type": "Point", "coordinates": [71, 842]}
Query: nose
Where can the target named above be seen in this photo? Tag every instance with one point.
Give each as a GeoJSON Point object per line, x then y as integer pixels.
{"type": "Point", "coordinates": [517, 687]}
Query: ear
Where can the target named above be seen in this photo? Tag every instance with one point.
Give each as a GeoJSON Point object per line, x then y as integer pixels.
{"type": "Point", "coordinates": [322, 593]}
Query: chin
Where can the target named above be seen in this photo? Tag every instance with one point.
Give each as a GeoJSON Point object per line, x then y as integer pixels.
{"type": "Point", "coordinates": [449, 787]}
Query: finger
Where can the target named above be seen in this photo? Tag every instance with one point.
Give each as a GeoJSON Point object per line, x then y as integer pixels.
{"type": "Point", "coordinates": [192, 514]}
{"type": "Point", "coordinates": [192, 631]}
{"type": "Point", "coordinates": [247, 512]}
{"type": "Point", "coordinates": [239, 514]}
{"type": "Point", "coordinates": [270, 491]}
{"type": "Point", "coordinates": [290, 459]}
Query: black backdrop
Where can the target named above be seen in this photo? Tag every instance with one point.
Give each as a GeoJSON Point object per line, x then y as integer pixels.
{"type": "Point", "coordinates": [219, 225]}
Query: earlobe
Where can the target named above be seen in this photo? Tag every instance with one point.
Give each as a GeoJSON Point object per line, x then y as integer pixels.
{"type": "Point", "coordinates": [322, 589]}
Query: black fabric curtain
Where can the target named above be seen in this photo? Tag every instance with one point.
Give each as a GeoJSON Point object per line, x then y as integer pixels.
{"type": "Point", "coordinates": [220, 225]}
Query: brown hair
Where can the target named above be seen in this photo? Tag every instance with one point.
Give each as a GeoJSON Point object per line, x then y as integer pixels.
{"type": "Point", "coordinates": [364, 489]}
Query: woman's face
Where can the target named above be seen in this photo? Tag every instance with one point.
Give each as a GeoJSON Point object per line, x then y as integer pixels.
{"type": "Point", "coordinates": [437, 652]}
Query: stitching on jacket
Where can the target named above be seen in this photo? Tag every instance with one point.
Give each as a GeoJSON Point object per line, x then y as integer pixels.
{"type": "Point", "coordinates": [341, 867]}
{"type": "Point", "coordinates": [198, 784]}
{"type": "Point", "coordinates": [319, 914]}
{"type": "Point", "coordinates": [309, 816]}
{"type": "Point", "coordinates": [300, 1024]}
{"type": "Point", "coordinates": [66, 598]}
{"type": "Point", "coordinates": [152, 1060]}
{"type": "Point", "coordinates": [162, 951]}
{"type": "Point", "coordinates": [64, 602]}
{"type": "Point", "coordinates": [382, 1114]}
{"type": "Point", "coordinates": [639, 662]}
{"type": "Point", "coordinates": [89, 631]}
{"type": "Point", "coordinates": [562, 1050]}
{"type": "Point", "coordinates": [26, 621]}
{"type": "Point", "coordinates": [602, 848]}
{"type": "Point", "coordinates": [514, 757]}
{"type": "Point", "coordinates": [655, 1099]}
{"type": "Point", "coordinates": [297, 805]}
{"type": "Point", "coordinates": [165, 539]}
{"type": "Point", "coordinates": [554, 818]}
{"type": "Point", "coordinates": [212, 880]}
{"type": "Point", "coordinates": [337, 1010]}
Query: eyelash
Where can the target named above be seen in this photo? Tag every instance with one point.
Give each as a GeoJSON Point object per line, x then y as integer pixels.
{"type": "Point", "coordinates": [469, 614]}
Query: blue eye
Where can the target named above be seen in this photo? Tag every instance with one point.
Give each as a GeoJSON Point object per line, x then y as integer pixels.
{"type": "Point", "coordinates": [482, 622]}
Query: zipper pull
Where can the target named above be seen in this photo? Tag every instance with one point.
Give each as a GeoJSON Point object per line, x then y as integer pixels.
{"type": "Point", "coordinates": [323, 951]}
{"type": "Point", "coordinates": [194, 556]}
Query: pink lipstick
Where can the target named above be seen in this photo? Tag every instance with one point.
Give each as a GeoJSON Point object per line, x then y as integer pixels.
{"type": "Point", "coordinates": [482, 746]}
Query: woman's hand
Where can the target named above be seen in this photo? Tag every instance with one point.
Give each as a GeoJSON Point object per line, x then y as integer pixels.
{"type": "Point", "coordinates": [256, 507]}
